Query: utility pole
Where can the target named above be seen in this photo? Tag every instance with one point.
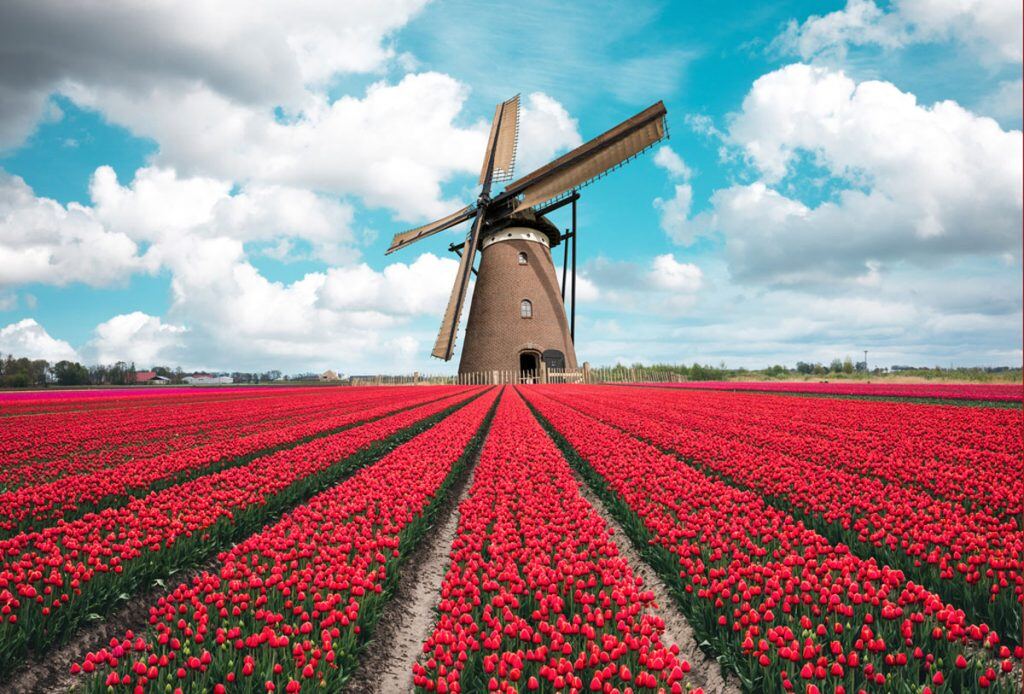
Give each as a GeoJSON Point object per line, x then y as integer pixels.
{"type": "Point", "coordinates": [865, 361]}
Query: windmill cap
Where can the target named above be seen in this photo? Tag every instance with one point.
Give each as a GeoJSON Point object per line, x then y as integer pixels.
{"type": "Point", "coordinates": [530, 220]}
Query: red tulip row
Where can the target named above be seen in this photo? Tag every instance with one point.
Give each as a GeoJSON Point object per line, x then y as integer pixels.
{"type": "Point", "coordinates": [49, 401]}
{"type": "Point", "coordinates": [290, 606]}
{"type": "Point", "coordinates": [52, 579]}
{"type": "Point", "coordinates": [42, 448]}
{"type": "Point", "coordinates": [537, 596]}
{"type": "Point", "coordinates": [973, 556]}
{"type": "Point", "coordinates": [972, 456]}
{"type": "Point", "coordinates": [784, 607]}
{"type": "Point", "coordinates": [984, 392]}
{"type": "Point", "coordinates": [36, 507]}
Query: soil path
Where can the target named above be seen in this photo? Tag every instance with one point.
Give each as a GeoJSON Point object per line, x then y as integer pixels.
{"type": "Point", "coordinates": [408, 619]}
{"type": "Point", "coordinates": [706, 672]}
{"type": "Point", "coordinates": [51, 673]}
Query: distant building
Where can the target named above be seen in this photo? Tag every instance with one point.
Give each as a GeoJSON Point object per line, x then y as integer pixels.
{"type": "Point", "coordinates": [203, 379]}
{"type": "Point", "coordinates": [329, 376]}
{"type": "Point", "coordinates": [151, 378]}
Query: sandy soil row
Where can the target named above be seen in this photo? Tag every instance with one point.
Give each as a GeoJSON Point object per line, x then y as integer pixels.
{"type": "Point", "coordinates": [706, 671]}
{"type": "Point", "coordinates": [51, 674]}
{"type": "Point", "coordinates": [408, 619]}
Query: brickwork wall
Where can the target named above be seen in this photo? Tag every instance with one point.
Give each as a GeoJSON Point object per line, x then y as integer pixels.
{"type": "Point", "coordinates": [495, 332]}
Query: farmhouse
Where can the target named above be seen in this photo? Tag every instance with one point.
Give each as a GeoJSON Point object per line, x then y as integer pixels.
{"type": "Point", "coordinates": [151, 378]}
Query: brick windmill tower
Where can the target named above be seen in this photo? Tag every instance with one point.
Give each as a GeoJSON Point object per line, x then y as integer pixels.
{"type": "Point", "coordinates": [517, 318]}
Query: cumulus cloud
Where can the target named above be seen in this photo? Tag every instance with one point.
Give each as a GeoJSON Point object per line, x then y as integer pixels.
{"type": "Point", "coordinates": [545, 128]}
{"type": "Point", "coordinates": [160, 207]}
{"type": "Point", "coordinates": [140, 338]}
{"type": "Point", "coordinates": [242, 94]}
{"type": "Point", "coordinates": [419, 288]}
{"type": "Point", "coordinates": [669, 274]}
{"type": "Point", "coordinates": [674, 212]}
{"type": "Point", "coordinates": [1005, 102]}
{"type": "Point", "coordinates": [263, 55]}
{"type": "Point", "coordinates": [991, 28]}
{"type": "Point", "coordinates": [667, 158]}
{"type": "Point", "coordinates": [44, 241]}
{"type": "Point", "coordinates": [27, 338]}
{"type": "Point", "coordinates": [662, 285]}
{"type": "Point", "coordinates": [922, 183]}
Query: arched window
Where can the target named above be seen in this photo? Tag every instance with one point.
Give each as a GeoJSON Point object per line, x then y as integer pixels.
{"type": "Point", "coordinates": [522, 257]}
{"type": "Point", "coordinates": [525, 309]}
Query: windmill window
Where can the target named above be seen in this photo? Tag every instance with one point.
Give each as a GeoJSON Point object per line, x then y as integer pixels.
{"type": "Point", "coordinates": [525, 309]}
{"type": "Point", "coordinates": [522, 258]}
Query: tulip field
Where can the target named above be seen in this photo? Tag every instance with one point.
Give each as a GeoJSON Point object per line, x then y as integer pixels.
{"type": "Point", "coordinates": [592, 538]}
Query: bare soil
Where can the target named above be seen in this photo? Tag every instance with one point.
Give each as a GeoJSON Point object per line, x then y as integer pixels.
{"type": "Point", "coordinates": [705, 672]}
{"type": "Point", "coordinates": [50, 673]}
{"type": "Point", "coordinates": [385, 666]}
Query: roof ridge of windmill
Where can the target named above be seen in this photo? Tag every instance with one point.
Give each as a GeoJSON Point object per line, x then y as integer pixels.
{"type": "Point", "coordinates": [517, 318]}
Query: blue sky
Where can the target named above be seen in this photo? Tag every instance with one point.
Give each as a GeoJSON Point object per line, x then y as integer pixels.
{"type": "Point", "coordinates": [215, 187]}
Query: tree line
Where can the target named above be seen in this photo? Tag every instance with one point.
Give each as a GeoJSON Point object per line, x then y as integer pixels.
{"type": "Point", "coordinates": [22, 372]}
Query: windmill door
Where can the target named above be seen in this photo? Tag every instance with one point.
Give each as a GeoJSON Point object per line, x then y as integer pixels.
{"type": "Point", "coordinates": [553, 359]}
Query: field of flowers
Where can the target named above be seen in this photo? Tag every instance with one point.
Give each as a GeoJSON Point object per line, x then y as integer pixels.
{"type": "Point", "coordinates": [260, 539]}
{"type": "Point", "coordinates": [928, 391]}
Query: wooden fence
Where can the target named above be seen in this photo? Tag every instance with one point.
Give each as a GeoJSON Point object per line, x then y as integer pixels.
{"type": "Point", "coordinates": [544, 375]}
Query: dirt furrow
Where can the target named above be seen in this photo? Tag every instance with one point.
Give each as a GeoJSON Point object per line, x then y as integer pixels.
{"type": "Point", "coordinates": [408, 619]}
{"type": "Point", "coordinates": [706, 672]}
{"type": "Point", "coordinates": [51, 673]}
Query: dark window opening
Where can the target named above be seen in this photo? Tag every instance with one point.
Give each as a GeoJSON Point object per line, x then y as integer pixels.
{"type": "Point", "coordinates": [553, 359]}
{"type": "Point", "coordinates": [522, 257]}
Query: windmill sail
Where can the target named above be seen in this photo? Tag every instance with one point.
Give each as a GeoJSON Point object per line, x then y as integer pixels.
{"type": "Point", "coordinates": [404, 238]}
{"type": "Point", "coordinates": [498, 157]}
{"type": "Point", "coordinates": [592, 159]}
{"type": "Point", "coordinates": [503, 140]}
{"type": "Point", "coordinates": [444, 346]}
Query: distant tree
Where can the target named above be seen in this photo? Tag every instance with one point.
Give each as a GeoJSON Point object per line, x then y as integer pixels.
{"type": "Point", "coordinates": [70, 373]}
{"type": "Point", "coordinates": [860, 366]}
{"type": "Point", "coordinates": [836, 366]}
{"type": "Point", "coordinates": [848, 366]}
{"type": "Point", "coordinates": [804, 368]}
{"type": "Point", "coordinates": [39, 371]}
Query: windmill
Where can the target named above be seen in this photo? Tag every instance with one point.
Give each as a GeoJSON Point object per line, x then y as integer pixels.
{"type": "Point", "coordinates": [517, 319]}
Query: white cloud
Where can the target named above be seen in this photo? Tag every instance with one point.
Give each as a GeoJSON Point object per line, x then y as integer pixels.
{"type": "Point", "coordinates": [27, 338]}
{"type": "Point", "coordinates": [420, 288]}
{"type": "Point", "coordinates": [394, 147]}
{"type": "Point", "coordinates": [669, 274]}
{"type": "Point", "coordinates": [545, 128]}
{"type": "Point", "coordinates": [140, 338]}
{"type": "Point", "coordinates": [1005, 102]}
{"type": "Point", "coordinates": [241, 94]}
{"type": "Point", "coordinates": [159, 206]}
{"type": "Point", "coordinates": [991, 28]}
{"type": "Point", "coordinates": [263, 55]}
{"type": "Point", "coordinates": [662, 286]}
{"type": "Point", "coordinates": [923, 183]}
{"type": "Point", "coordinates": [666, 158]}
{"type": "Point", "coordinates": [44, 241]}
{"type": "Point", "coordinates": [674, 213]}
